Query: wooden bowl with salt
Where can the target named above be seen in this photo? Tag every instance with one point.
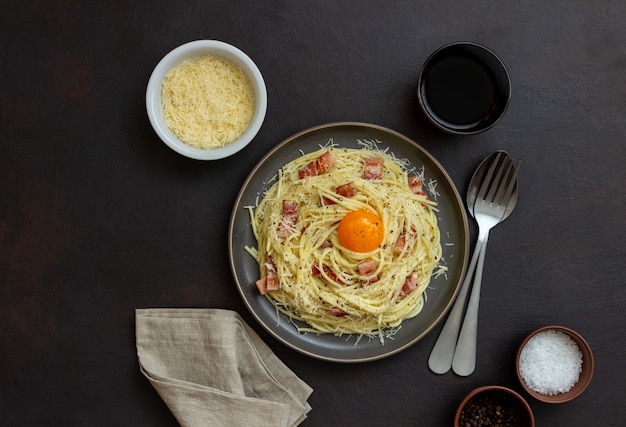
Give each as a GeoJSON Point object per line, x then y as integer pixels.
{"type": "Point", "coordinates": [554, 364]}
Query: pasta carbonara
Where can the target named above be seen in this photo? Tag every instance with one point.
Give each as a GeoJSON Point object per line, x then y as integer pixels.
{"type": "Point", "coordinates": [347, 241]}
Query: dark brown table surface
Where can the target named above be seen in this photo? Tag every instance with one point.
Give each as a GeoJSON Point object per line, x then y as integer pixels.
{"type": "Point", "coordinates": [98, 217]}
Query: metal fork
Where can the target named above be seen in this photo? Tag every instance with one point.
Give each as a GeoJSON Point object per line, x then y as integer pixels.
{"type": "Point", "coordinates": [442, 354]}
{"type": "Point", "coordinates": [489, 210]}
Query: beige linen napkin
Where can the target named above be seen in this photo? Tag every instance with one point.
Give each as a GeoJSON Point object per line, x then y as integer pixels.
{"type": "Point", "coordinates": [211, 369]}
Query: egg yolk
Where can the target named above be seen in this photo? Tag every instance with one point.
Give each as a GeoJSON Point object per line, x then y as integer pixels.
{"type": "Point", "coordinates": [361, 231]}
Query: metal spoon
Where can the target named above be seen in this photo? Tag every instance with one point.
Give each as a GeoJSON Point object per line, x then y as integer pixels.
{"type": "Point", "coordinates": [441, 357]}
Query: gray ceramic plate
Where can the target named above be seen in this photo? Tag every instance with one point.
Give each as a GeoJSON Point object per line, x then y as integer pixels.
{"type": "Point", "coordinates": [442, 291]}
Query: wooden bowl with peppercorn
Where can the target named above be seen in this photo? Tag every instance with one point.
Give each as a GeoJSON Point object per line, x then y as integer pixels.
{"type": "Point", "coordinates": [554, 364]}
{"type": "Point", "coordinates": [494, 406]}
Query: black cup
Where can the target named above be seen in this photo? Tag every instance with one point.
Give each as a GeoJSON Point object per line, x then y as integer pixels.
{"type": "Point", "coordinates": [463, 88]}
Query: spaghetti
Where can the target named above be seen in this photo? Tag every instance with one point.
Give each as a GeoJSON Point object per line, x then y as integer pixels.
{"type": "Point", "coordinates": [336, 284]}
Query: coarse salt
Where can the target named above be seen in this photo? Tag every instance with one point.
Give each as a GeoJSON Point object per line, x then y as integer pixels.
{"type": "Point", "coordinates": [550, 362]}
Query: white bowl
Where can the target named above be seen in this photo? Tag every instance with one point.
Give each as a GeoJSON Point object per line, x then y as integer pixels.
{"type": "Point", "coordinates": [191, 50]}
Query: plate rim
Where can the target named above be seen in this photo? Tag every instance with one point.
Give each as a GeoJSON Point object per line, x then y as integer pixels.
{"type": "Point", "coordinates": [237, 205]}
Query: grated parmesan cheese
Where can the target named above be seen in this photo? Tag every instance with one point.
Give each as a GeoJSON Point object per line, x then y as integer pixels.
{"type": "Point", "coordinates": [207, 102]}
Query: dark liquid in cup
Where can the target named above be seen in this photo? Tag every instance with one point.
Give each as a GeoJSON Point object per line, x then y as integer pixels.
{"type": "Point", "coordinates": [460, 91]}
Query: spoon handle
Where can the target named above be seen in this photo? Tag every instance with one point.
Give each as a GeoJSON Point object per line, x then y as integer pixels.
{"type": "Point", "coordinates": [440, 359]}
{"type": "Point", "coordinates": [464, 360]}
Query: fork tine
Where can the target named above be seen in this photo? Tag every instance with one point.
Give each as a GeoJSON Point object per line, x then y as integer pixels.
{"type": "Point", "coordinates": [499, 179]}
{"type": "Point", "coordinates": [502, 183]}
{"type": "Point", "coordinates": [487, 178]}
{"type": "Point", "coordinates": [506, 197]}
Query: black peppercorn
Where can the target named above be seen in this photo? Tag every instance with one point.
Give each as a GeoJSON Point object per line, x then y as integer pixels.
{"type": "Point", "coordinates": [492, 408]}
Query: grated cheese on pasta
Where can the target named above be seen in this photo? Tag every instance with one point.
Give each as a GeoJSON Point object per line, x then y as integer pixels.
{"type": "Point", "coordinates": [373, 308]}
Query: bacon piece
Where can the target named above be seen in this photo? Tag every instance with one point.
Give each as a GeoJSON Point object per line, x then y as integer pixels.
{"type": "Point", "coordinates": [410, 284]}
{"type": "Point", "coordinates": [344, 190]}
{"type": "Point", "coordinates": [308, 170]}
{"type": "Point", "coordinates": [398, 248]}
{"type": "Point", "coordinates": [261, 284]}
{"type": "Point", "coordinates": [326, 244]}
{"type": "Point", "coordinates": [347, 190]}
{"type": "Point", "coordinates": [315, 271]}
{"type": "Point", "coordinates": [405, 242]}
{"type": "Point", "coordinates": [327, 271]}
{"type": "Point", "coordinates": [271, 283]}
{"type": "Point", "coordinates": [416, 186]}
{"type": "Point", "coordinates": [337, 312]}
{"type": "Point", "coordinates": [373, 168]}
{"type": "Point", "coordinates": [366, 267]}
{"type": "Point", "coordinates": [325, 201]}
{"type": "Point", "coordinates": [370, 281]}
{"type": "Point", "coordinates": [320, 165]}
{"type": "Point", "coordinates": [325, 162]}
{"type": "Point", "coordinates": [290, 208]}
{"type": "Point", "coordinates": [289, 219]}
